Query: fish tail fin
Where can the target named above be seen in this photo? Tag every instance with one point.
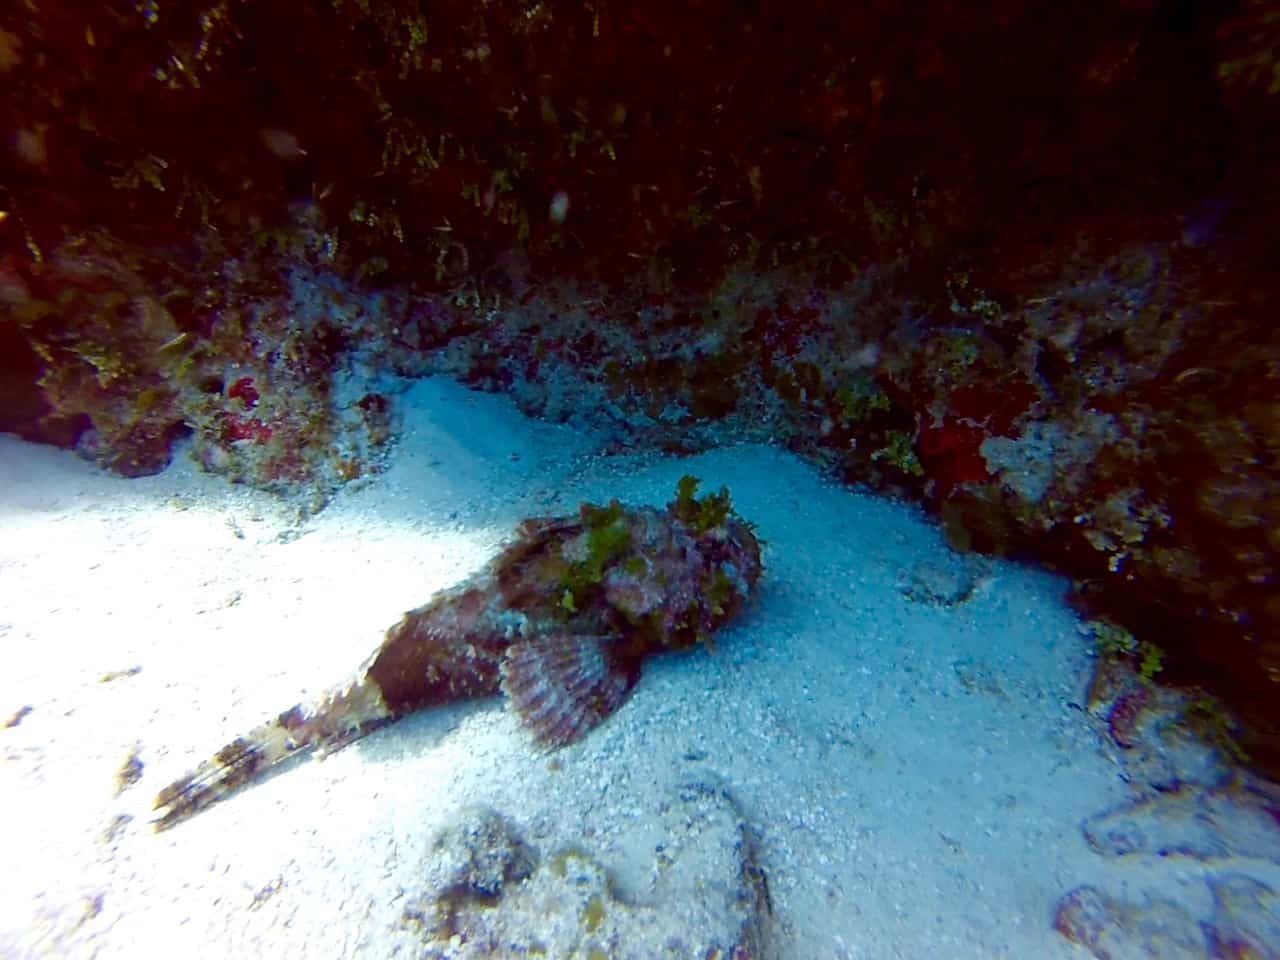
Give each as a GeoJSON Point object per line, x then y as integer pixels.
{"type": "Point", "coordinates": [332, 722]}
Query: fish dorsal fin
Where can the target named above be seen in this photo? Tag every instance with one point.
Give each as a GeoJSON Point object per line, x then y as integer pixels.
{"type": "Point", "coordinates": [562, 685]}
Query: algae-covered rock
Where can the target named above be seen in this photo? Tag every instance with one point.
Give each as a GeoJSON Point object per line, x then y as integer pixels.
{"type": "Point", "coordinates": [487, 894]}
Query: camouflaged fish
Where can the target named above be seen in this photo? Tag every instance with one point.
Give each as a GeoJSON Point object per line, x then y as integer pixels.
{"type": "Point", "coordinates": [560, 620]}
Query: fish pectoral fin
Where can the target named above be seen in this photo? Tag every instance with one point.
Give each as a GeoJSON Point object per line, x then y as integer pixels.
{"type": "Point", "coordinates": [562, 685]}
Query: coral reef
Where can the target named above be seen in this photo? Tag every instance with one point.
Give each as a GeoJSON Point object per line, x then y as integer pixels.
{"type": "Point", "coordinates": [252, 362]}
{"type": "Point", "coordinates": [1191, 809]}
{"type": "Point", "coordinates": [1098, 423]}
{"type": "Point", "coordinates": [857, 230]}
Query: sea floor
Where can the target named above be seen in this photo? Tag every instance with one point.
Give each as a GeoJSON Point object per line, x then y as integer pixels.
{"type": "Point", "coordinates": [888, 756]}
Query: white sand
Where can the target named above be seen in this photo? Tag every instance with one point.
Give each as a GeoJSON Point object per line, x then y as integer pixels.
{"type": "Point", "coordinates": [916, 772]}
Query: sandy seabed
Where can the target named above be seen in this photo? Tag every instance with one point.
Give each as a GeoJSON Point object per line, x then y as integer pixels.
{"type": "Point", "coordinates": [898, 726]}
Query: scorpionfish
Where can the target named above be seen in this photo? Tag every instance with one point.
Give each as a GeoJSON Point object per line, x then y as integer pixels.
{"type": "Point", "coordinates": [560, 620]}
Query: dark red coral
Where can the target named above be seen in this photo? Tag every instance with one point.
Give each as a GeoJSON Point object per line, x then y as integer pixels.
{"type": "Point", "coordinates": [244, 390]}
{"type": "Point", "coordinates": [996, 404]}
{"type": "Point", "coordinates": [951, 454]}
{"type": "Point", "coordinates": [236, 429]}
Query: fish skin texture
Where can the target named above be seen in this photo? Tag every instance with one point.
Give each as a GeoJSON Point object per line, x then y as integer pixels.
{"type": "Point", "coordinates": [561, 620]}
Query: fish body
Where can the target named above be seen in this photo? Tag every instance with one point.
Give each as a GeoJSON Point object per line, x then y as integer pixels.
{"type": "Point", "coordinates": [560, 620]}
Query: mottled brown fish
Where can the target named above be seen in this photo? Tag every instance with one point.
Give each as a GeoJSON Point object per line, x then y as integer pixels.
{"type": "Point", "coordinates": [560, 620]}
